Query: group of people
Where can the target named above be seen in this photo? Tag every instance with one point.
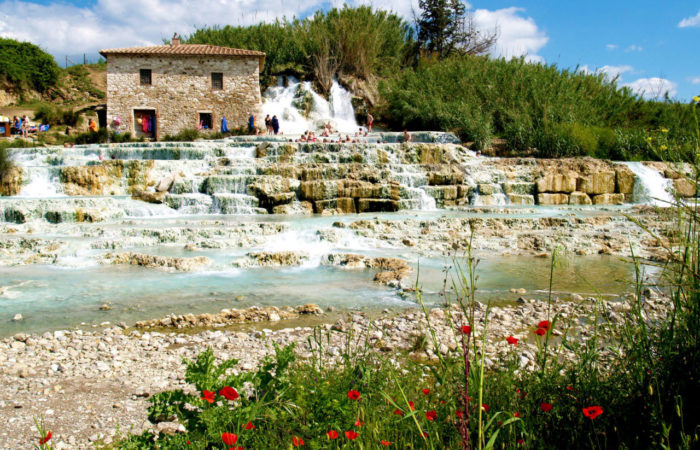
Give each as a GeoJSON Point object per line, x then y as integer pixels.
{"type": "Point", "coordinates": [272, 125]}
{"type": "Point", "coordinates": [21, 126]}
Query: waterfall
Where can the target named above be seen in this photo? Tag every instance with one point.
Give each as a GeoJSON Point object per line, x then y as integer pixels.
{"type": "Point", "coordinates": [43, 182]}
{"type": "Point", "coordinates": [279, 101]}
{"type": "Point", "coordinates": [650, 186]}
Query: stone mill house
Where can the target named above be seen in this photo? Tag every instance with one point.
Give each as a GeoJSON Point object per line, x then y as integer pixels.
{"type": "Point", "coordinates": [164, 89]}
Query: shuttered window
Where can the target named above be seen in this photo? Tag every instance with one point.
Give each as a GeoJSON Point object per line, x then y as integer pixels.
{"type": "Point", "coordinates": [217, 81]}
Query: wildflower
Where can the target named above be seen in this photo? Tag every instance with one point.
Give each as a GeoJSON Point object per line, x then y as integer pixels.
{"type": "Point", "coordinates": [229, 438]}
{"type": "Point", "coordinates": [442, 402]}
{"type": "Point", "coordinates": [398, 412]}
{"type": "Point", "coordinates": [466, 329]}
{"type": "Point", "coordinates": [592, 412]}
{"type": "Point", "coordinates": [648, 139]}
{"type": "Point", "coordinates": [540, 332]}
{"type": "Point", "coordinates": [431, 415]}
{"type": "Point", "coordinates": [353, 395]}
{"type": "Point", "coordinates": [664, 130]}
{"type": "Point", "coordinates": [45, 439]}
{"type": "Point", "coordinates": [352, 435]}
{"type": "Point", "coordinates": [664, 147]}
{"type": "Point", "coordinates": [485, 407]}
{"type": "Point", "coordinates": [569, 388]}
{"type": "Point", "coordinates": [520, 441]}
{"type": "Point", "coordinates": [517, 414]}
{"type": "Point", "coordinates": [425, 435]}
{"type": "Point", "coordinates": [546, 407]}
{"type": "Point", "coordinates": [229, 393]}
{"type": "Point", "coordinates": [426, 391]}
{"type": "Point", "coordinates": [249, 426]}
{"type": "Point", "coordinates": [297, 441]}
{"type": "Point", "coordinates": [332, 434]}
{"type": "Point", "coordinates": [696, 99]}
{"type": "Point", "coordinates": [545, 324]}
{"type": "Point", "coordinates": [410, 405]}
{"type": "Point", "coordinates": [359, 423]}
{"type": "Point", "coordinates": [385, 443]}
{"type": "Point", "coordinates": [460, 414]}
{"type": "Point", "coordinates": [208, 396]}
{"type": "Point", "coordinates": [511, 340]}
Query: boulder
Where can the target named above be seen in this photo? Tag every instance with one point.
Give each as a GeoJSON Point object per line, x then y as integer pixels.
{"type": "Point", "coordinates": [150, 197]}
{"type": "Point", "coordinates": [601, 182]}
{"type": "Point", "coordinates": [624, 180]}
{"type": "Point", "coordinates": [609, 199]}
{"type": "Point", "coordinates": [377, 205]}
{"type": "Point", "coordinates": [272, 259]}
{"type": "Point", "coordinates": [579, 198]}
{"type": "Point", "coordinates": [165, 184]}
{"type": "Point", "coordinates": [294, 208]}
{"type": "Point", "coordinates": [11, 181]}
{"type": "Point", "coordinates": [519, 199]}
{"type": "Point", "coordinates": [520, 188]}
{"type": "Point", "coordinates": [162, 262]}
{"type": "Point", "coordinates": [489, 188]}
{"type": "Point", "coordinates": [683, 187]}
{"type": "Point", "coordinates": [552, 199]}
{"type": "Point", "coordinates": [318, 190]}
{"type": "Point", "coordinates": [343, 205]}
{"type": "Point", "coordinates": [444, 178]}
{"type": "Point", "coordinates": [557, 182]}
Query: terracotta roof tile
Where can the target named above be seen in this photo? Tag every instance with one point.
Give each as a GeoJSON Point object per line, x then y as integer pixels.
{"type": "Point", "coordinates": [181, 49]}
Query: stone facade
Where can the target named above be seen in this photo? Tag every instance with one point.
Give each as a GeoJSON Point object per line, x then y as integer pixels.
{"type": "Point", "coordinates": [181, 90]}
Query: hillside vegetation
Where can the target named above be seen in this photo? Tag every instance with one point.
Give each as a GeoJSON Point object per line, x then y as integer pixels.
{"type": "Point", "coordinates": [531, 109]}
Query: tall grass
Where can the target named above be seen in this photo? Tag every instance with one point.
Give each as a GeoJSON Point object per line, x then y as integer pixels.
{"type": "Point", "coordinates": [535, 107]}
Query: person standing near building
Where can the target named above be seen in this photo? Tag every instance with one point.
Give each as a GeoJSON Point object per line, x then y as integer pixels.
{"type": "Point", "coordinates": [251, 124]}
{"type": "Point", "coordinates": [268, 124]}
{"type": "Point", "coordinates": [370, 121]}
{"type": "Point", "coordinates": [275, 124]}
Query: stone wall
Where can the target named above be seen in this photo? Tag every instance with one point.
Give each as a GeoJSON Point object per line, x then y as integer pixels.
{"type": "Point", "coordinates": [180, 89]}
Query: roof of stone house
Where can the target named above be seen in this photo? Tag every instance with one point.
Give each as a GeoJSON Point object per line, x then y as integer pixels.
{"type": "Point", "coordinates": [182, 49]}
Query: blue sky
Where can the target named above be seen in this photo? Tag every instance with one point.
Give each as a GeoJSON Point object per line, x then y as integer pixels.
{"type": "Point", "coordinates": [655, 48]}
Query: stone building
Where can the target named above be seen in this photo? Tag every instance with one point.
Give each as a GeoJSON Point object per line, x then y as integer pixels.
{"type": "Point", "coordinates": [163, 89]}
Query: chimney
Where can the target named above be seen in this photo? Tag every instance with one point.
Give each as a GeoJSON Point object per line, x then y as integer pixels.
{"type": "Point", "coordinates": [175, 40]}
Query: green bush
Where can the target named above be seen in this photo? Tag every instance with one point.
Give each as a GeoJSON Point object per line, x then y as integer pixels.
{"type": "Point", "coordinates": [55, 115]}
{"type": "Point", "coordinates": [26, 65]}
{"type": "Point", "coordinates": [188, 134]}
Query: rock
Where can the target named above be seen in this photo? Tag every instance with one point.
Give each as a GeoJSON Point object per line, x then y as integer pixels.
{"type": "Point", "coordinates": [149, 197]}
{"type": "Point", "coordinates": [557, 182]}
{"type": "Point", "coordinates": [489, 189]}
{"type": "Point", "coordinates": [105, 307]}
{"type": "Point", "coordinates": [163, 262]}
{"type": "Point", "coordinates": [609, 199]}
{"type": "Point", "coordinates": [309, 308]}
{"type": "Point", "coordinates": [378, 205]}
{"type": "Point", "coordinates": [519, 199]}
{"type": "Point", "coordinates": [624, 180]}
{"type": "Point", "coordinates": [268, 259]}
{"type": "Point", "coordinates": [553, 199]}
{"type": "Point", "coordinates": [11, 181]}
{"type": "Point", "coordinates": [580, 198]}
{"type": "Point", "coordinates": [294, 209]}
{"type": "Point", "coordinates": [165, 184]}
{"type": "Point", "coordinates": [520, 188]}
{"type": "Point", "coordinates": [600, 182]}
{"type": "Point", "coordinates": [17, 317]}
{"type": "Point", "coordinates": [683, 187]}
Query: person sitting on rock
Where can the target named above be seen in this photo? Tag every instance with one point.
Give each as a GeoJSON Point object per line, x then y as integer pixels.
{"type": "Point", "coordinates": [406, 136]}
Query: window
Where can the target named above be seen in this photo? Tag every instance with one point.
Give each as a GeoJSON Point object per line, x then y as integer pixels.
{"type": "Point", "coordinates": [145, 76]}
{"type": "Point", "coordinates": [205, 120]}
{"type": "Point", "coordinates": [217, 81]}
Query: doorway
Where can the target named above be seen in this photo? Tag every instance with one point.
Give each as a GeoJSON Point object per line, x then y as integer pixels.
{"type": "Point", "coordinates": [145, 121]}
{"type": "Point", "coordinates": [205, 121]}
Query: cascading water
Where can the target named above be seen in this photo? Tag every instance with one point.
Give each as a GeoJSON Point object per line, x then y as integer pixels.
{"type": "Point", "coordinates": [279, 101]}
{"type": "Point", "coordinates": [651, 187]}
{"type": "Point", "coordinates": [43, 182]}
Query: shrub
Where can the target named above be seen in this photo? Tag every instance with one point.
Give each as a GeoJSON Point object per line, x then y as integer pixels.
{"type": "Point", "coordinates": [187, 134]}
{"type": "Point", "coordinates": [26, 65]}
{"type": "Point", "coordinates": [55, 115]}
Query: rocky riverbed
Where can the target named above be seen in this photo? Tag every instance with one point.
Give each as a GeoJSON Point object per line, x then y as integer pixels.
{"type": "Point", "coordinates": [90, 386]}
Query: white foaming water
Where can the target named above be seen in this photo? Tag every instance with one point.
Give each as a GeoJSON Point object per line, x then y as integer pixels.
{"type": "Point", "coordinates": [651, 187]}
{"type": "Point", "coordinates": [42, 183]}
{"type": "Point", "coordinates": [279, 101]}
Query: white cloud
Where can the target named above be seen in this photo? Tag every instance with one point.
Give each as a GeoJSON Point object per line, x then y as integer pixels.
{"type": "Point", "coordinates": [693, 21]}
{"type": "Point", "coordinates": [518, 36]}
{"type": "Point", "coordinates": [695, 80]}
{"type": "Point", "coordinates": [654, 88]}
{"type": "Point", "coordinates": [614, 71]}
{"type": "Point", "coordinates": [611, 46]}
{"type": "Point", "coordinates": [634, 48]}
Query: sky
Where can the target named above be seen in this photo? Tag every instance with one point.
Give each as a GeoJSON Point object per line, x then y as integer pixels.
{"type": "Point", "coordinates": [654, 48]}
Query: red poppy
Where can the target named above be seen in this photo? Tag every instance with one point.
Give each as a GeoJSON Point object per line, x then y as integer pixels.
{"type": "Point", "coordinates": [460, 414]}
{"type": "Point", "coordinates": [425, 435]}
{"type": "Point", "coordinates": [431, 415]}
{"type": "Point", "coordinates": [385, 443]}
{"type": "Point", "coordinates": [45, 439]}
{"type": "Point", "coordinates": [520, 442]}
{"type": "Point", "coordinates": [297, 441]}
{"type": "Point", "coordinates": [352, 435]}
{"type": "Point", "coordinates": [398, 412]}
{"type": "Point", "coordinates": [592, 412]}
{"type": "Point", "coordinates": [442, 402]}
{"type": "Point", "coordinates": [410, 404]}
{"type": "Point", "coordinates": [540, 332]}
{"type": "Point", "coordinates": [426, 391]}
{"type": "Point", "coordinates": [208, 396]}
{"type": "Point", "coordinates": [249, 426]}
{"type": "Point", "coordinates": [353, 395]}
{"type": "Point", "coordinates": [545, 325]}
{"type": "Point", "coordinates": [359, 423]}
{"type": "Point", "coordinates": [569, 388]}
{"type": "Point", "coordinates": [229, 393]}
{"type": "Point", "coordinates": [485, 407]}
{"type": "Point", "coordinates": [188, 442]}
{"type": "Point", "coordinates": [466, 329]}
{"type": "Point", "coordinates": [332, 434]}
{"type": "Point", "coordinates": [229, 438]}
{"type": "Point", "coordinates": [517, 414]}
{"type": "Point", "coordinates": [546, 407]}
{"type": "Point", "coordinates": [511, 340]}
